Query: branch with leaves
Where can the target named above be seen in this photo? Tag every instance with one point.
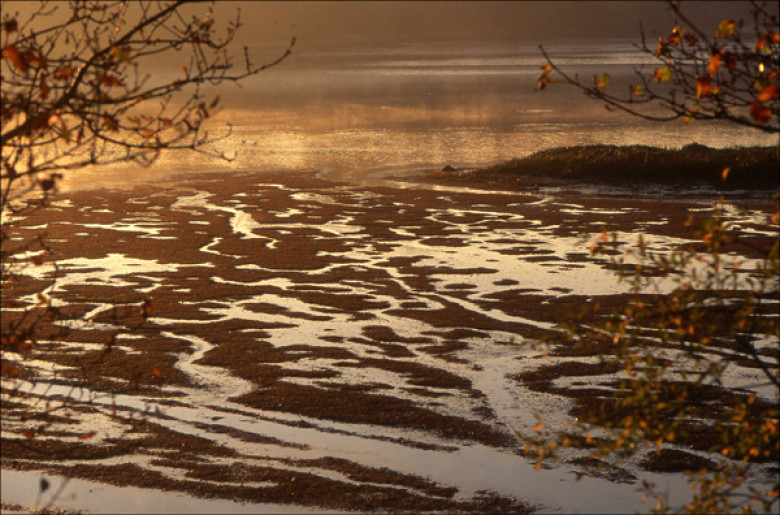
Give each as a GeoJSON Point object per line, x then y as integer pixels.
{"type": "Point", "coordinates": [700, 75]}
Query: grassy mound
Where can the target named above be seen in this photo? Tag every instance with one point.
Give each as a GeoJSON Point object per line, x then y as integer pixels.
{"type": "Point", "coordinates": [753, 167]}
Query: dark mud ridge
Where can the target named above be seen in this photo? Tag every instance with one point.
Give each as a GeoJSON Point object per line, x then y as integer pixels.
{"type": "Point", "coordinates": [748, 167]}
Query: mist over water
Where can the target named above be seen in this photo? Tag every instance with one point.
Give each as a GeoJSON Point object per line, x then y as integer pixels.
{"type": "Point", "coordinates": [353, 112]}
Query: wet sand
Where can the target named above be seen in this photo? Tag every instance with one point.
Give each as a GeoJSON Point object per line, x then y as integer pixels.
{"type": "Point", "coordinates": [298, 332]}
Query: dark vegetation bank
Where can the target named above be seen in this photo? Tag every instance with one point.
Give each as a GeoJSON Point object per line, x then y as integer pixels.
{"type": "Point", "coordinates": [748, 167]}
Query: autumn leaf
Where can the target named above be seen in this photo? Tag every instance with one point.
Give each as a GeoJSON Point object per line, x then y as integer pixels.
{"type": "Point", "coordinates": [542, 81]}
{"type": "Point", "coordinates": [121, 55]}
{"type": "Point", "coordinates": [725, 173]}
{"type": "Point", "coordinates": [17, 60]}
{"type": "Point", "coordinates": [675, 35]}
{"type": "Point", "coordinates": [37, 260]}
{"type": "Point", "coordinates": [714, 64]}
{"type": "Point", "coordinates": [604, 81]}
{"type": "Point", "coordinates": [157, 373]}
{"type": "Point", "coordinates": [759, 113]}
{"type": "Point", "coordinates": [108, 80]}
{"type": "Point", "coordinates": [767, 93]}
{"type": "Point", "coordinates": [725, 29]}
{"type": "Point", "coordinates": [63, 73]}
{"type": "Point", "coordinates": [109, 122]}
{"type": "Point", "coordinates": [703, 86]}
{"type": "Point", "coordinates": [636, 90]}
{"type": "Point", "coordinates": [146, 308]}
{"type": "Point", "coordinates": [762, 47]}
{"type": "Point", "coordinates": [662, 74]}
{"type": "Point", "coordinates": [87, 435]}
{"type": "Point", "coordinates": [691, 39]}
{"type": "Point", "coordinates": [663, 49]}
{"type": "Point", "coordinates": [147, 133]}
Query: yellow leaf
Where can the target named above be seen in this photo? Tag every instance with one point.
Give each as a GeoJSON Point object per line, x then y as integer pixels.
{"type": "Point", "coordinates": [725, 173]}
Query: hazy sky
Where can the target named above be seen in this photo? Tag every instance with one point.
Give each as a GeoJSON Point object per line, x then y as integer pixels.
{"type": "Point", "coordinates": [375, 23]}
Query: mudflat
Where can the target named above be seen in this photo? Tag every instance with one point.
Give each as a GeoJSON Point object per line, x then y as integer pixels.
{"type": "Point", "coordinates": [281, 338]}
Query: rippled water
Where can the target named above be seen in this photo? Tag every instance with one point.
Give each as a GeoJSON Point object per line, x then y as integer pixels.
{"type": "Point", "coordinates": [350, 114]}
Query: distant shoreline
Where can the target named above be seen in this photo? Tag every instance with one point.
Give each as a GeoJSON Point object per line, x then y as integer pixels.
{"type": "Point", "coordinates": [693, 164]}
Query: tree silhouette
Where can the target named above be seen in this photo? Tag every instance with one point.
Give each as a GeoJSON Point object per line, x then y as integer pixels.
{"type": "Point", "coordinates": [76, 93]}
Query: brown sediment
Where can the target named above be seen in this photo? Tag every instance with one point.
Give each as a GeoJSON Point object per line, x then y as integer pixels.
{"type": "Point", "coordinates": [311, 374]}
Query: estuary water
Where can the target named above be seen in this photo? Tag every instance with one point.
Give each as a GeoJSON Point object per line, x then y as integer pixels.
{"type": "Point", "coordinates": [350, 114]}
{"type": "Point", "coordinates": [278, 294]}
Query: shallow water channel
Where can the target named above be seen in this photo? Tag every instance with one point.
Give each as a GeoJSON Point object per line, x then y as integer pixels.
{"type": "Point", "coordinates": [362, 341]}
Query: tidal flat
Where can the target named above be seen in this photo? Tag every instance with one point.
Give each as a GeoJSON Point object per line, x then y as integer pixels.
{"type": "Point", "coordinates": [283, 339]}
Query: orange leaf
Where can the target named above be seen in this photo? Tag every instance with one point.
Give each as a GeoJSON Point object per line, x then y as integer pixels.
{"type": "Point", "coordinates": [703, 87]}
{"type": "Point", "coordinates": [546, 68]}
{"type": "Point", "coordinates": [760, 114]}
{"type": "Point", "coordinates": [725, 173]}
{"type": "Point", "coordinates": [675, 35]}
{"type": "Point", "coordinates": [12, 54]}
{"type": "Point", "coordinates": [63, 73]}
{"type": "Point", "coordinates": [767, 93]}
{"type": "Point", "coordinates": [88, 435]}
{"type": "Point", "coordinates": [147, 133]}
{"type": "Point", "coordinates": [156, 373]}
{"type": "Point", "coordinates": [714, 63]}
{"type": "Point", "coordinates": [108, 80]}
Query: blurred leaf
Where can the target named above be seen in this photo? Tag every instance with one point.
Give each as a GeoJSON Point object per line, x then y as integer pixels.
{"type": "Point", "coordinates": [691, 38]}
{"type": "Point", "coordinates": [662, 74]}
{"type": "Point", "coordinates": [146, 308]}
{"type": "Point", "coordinates": [604, 81]}
{"type": "Point", "coordinates": [87, 435]}
{"type": "Point", "coordinates": [760, 114]}
{"type": "Point", "coordinates": [44, 485]}
{"type": "Point", "coordinates": [636, 90]}
{"type": "Point", "coordinates": [725, 29]}
{"type": "Point", "coordinates": [703, 86]}
{"type": "Point", "coordinates": [17, 60]}
{"type": "Point", "coordinates": [675, 35]}
{"type": "Point", "coordinates": [63, 73]}
{"type": "Point", "coordinates": [147, 133]}
{"type": "Point", "coordinates": [157, 373]}
{"type": "Point", "coordinates": [725, 173]}
{"type": "Point", "coordinates": [714, 64]}
{"type": "Point", "coordinates": [109, 122]}
{"type": "Point", "coordinates": [37, 260]}
{"type": "Point", "coordinates": [108, 80]}
{"type": "Point", "coordinates": [121, 55]}
{"type": "Point", "coordinates": [769, 92]}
